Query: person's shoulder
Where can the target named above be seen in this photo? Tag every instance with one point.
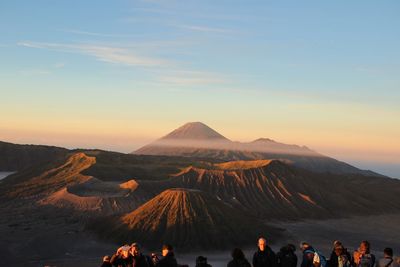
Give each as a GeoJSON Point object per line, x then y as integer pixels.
{"type": "Point", "coordinates": [270, 250]}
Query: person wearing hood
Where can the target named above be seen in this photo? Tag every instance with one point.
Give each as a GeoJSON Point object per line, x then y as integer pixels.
{"type": "Point", "coordinates": [238, 259]}
{"type": "Point", "coordinates": [286, 257]}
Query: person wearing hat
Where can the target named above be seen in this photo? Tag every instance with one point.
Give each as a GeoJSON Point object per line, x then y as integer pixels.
{"type": "Point", "coordinates": [138, 259]}
{"type": "Point", "coordinates": [168, 259]}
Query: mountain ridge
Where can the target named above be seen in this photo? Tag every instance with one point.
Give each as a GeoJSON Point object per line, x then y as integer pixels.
{"type": "Point", "coordinates": [259, 149]}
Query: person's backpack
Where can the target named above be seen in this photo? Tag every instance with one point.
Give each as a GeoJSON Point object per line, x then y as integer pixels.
{"type": "Point", "coordinates": [367, 260]}
{"type": "Point", "coordinates": [318, 260]}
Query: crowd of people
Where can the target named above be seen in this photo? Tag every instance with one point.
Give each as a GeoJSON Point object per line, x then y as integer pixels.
{"type": "Point", "coordinates": [131, 256]}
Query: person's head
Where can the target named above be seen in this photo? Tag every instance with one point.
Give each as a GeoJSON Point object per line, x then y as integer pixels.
{"type": "Point", "coordinates": [166, 249]}
{"type": "Point", "coordinates": [106, 258]}
{"type": "Point", "coordinates": [336, 242]}
{"type": "Point", "coordinates": [291, 247]}
{"type": "Point", "coordinates": [237, 254]}
{"type": "Point", "coordinates": [339, 249]}
{"type": "Point", "coordinates": [124, 251]}
{"type": "Point", "coordinates": [262, 243]}
{"type": "Point", "coordinates": [364, 247]}
{"type": "Point", "coordinates": [304, 246]}
{"type": "Point", "coordinates": [202, 261]}
{"type": "Point", "coordinates": [135, 248]}
{"type": "Point", "coordinates": [388, 252]}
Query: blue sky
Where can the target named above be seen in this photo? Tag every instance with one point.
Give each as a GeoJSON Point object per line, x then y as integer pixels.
{"type": "Point", "coordinates": [117, 74]}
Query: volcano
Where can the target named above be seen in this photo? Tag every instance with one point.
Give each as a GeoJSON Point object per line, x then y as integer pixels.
{"type": "Point", "coordinates": [189, 219]}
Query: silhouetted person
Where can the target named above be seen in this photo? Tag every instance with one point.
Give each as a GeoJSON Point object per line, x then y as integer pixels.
{"type": "Point", "coordinates": [106, 262]}
{"type": "Point", "coordinates": [362, 257]}
{"type": "Point", "coordinates": [202, 262]}
{"type": "Point", "coordinates": [387, 260]}
{"type": "Point", "coordinates": [286, 256]}
{"type": "Point", "coordinates": [168, 259]}
{"type": "Point", "coordinates": [123, 257]}
{"type": "Point", "coordinates": [264, 256]}
{"type": "Point", "coordinates": [238, 259]}
{"type": "Point", "coordinates": [339, 256]}
{"type": "Point", "coordinates": [138, 259]}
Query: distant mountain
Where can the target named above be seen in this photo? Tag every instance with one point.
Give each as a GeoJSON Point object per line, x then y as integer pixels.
{"type": "Point", "coordinates": [200, 141]}
{"type": "Point", "coordinates": [15, 157]}
{"type": "Point", "coordinates": [189, 219]}
{"type": "Point", "coordinates": [194, 131]}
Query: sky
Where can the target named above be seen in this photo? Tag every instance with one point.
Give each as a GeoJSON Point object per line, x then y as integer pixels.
{"type": "Point", "coordinates": [116, 75]}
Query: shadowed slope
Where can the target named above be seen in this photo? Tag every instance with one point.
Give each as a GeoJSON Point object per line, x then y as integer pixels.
{"type": "Point", "coordinates": [189, 219]}
{"type": "Point", "coordinates": [49, 178]}
{"type": "Point", "coordinates": [14, 157]}
{"type": "Point", "coordinates": [275, 190]}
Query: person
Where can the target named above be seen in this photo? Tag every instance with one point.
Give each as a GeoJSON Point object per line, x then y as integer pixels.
{"type": "Point", "coordinates": [286, 257]}
{"type": "Point", "coordinates": [202, 262]}
{"type": "Point", "coordinates": [138, 259]}
{"type": "Point", "coordinates": [264, 256]}
{"type": "Point", "coordinates": [387, 260]}
{"type": "Point", "coordinates": [362, 257]}
{"type": "Point", "coordinates": [168, 259]}
{"type": "Point", "coordinates": [311, 257]}
{"type": "Point", "coordinates": [238, 259]}
{"type": "Point", "coordinates": [106, 261]}
{"type": "Point", "coordinates": [123, 257]}
{"type": "Point", "coordinates": [339, 256]}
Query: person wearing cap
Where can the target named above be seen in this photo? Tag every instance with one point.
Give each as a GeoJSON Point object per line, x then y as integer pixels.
{"type": "Point", "coordinates": [264, 256]}
{"type": "Point", "coordinates": [138, 259]}
{"type": "Point", "coordinates": [168, 259]}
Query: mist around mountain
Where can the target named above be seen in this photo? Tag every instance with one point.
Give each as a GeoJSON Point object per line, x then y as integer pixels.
{"type": "Point", "coordinates": [196, 139]}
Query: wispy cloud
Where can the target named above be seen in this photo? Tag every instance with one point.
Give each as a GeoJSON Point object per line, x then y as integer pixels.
{"type": "Point", "coordinates": [110, 54]}
{"type": "Point", "coordinates": [80, 32]}
{"type": "Point", "coordinates": [59, 65]}
{"type": "Point", "coordinates": [191, 78]}
{"type": "Point", "coordinates": [34, 72]}
{"type": "Point", "coordinates": [204, 29]}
